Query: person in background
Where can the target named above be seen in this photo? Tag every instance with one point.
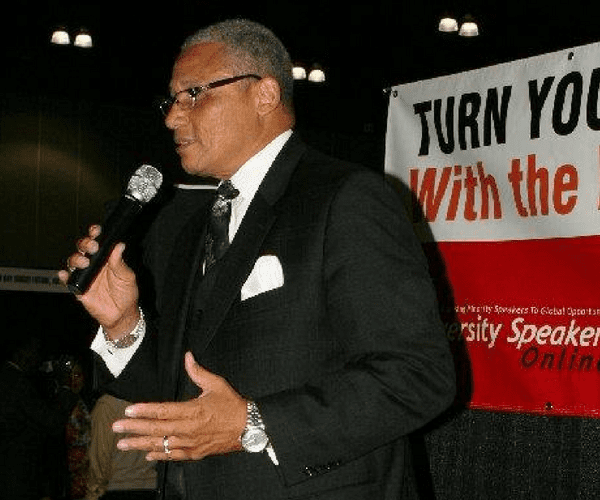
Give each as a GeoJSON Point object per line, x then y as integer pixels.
{"type": "Point", "coordinates": [70, 376]}
{"type": "Point", "coordinates": [30, 424]}
{"type": "Point", "coordinates": [295, 341]}
{"type": "Point", "coordinates": [116, 474]}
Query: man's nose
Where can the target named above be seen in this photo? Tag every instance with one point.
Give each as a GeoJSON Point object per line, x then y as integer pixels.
{"type": "Point", "coordinates": [175, 117]}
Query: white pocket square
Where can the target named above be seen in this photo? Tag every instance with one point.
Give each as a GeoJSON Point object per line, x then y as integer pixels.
{"type": "Point", "coordinates": [266, 275]}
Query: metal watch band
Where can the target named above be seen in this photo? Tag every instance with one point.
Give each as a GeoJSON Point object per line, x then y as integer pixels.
{"type": "Point", "coordinates": [254, 438]}
{"type": "Point", "coordinates": [253, 418]}
{"type": "Point", "coordinates": [129, 339]}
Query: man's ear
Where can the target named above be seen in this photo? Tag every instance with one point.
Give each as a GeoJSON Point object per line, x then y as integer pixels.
{"type": "Point", "coordinates": [268, 95]}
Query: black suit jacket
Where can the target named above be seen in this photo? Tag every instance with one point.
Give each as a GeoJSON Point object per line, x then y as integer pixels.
{"type": "Point", "coordinates": [344, 360]}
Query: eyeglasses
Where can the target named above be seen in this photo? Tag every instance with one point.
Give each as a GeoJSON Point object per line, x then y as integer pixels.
{"type": "Point", "coordinates": [186, 99]}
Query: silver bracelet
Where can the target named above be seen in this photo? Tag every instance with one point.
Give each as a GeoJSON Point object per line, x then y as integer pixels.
{"type": "Point", "coordinates": [129, 339]}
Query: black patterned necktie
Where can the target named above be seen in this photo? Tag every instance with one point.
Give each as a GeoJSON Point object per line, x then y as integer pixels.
{"type": "Point", "coordinates": [217, 235]}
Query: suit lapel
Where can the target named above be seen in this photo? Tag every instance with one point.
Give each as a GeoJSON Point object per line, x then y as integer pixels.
{"type": "Point", "coordinates": [236, 265]}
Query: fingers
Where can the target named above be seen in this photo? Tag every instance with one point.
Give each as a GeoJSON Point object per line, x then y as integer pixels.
{"type": "Point", "coordinates": [174, 455]}
{"type": "Point", "coordinates": [95, 230]}
{"type": "Point", "coordinates": [164, 439]}
{"type": "Point", "coordinates": [159, 448]}
{"type": "Point", "coordinates": [77, 261]}
{"type": "Point", "coordinates": [158, 411]}
{"type": "Point", "coordinates": [63, 276]}
{"type": "Point", "coordinates": [89, 245]}
{"type": "Point", "coordinates": [85, 246]}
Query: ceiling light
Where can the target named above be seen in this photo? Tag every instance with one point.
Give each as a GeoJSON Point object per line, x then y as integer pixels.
{"type": "Point", "coordinates": [60, 37]}
{"type": "Point", "coordinates": [83, 40]}
{"type": "Point", "coordinates": [299, 73]}
{"type": "Point", "coordinates": [316, 75]}
{"type": "Point", "coordinates": [469, 27]}
{"type": "Point", "coordinates": [448, 25]}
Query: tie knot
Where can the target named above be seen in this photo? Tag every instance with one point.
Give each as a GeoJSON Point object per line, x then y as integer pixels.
{"type": "Point", "coordinates": [226, 190]}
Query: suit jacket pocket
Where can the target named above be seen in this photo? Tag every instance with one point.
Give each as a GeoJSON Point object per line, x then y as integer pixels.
{"type": "Point", "coordinates": [272, 300]}
{"type": "Point", "coordinates": [351, 482]}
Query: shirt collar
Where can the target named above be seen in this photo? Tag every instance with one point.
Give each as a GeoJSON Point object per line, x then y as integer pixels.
{"type": "Point", "coordinates": [249, 176]}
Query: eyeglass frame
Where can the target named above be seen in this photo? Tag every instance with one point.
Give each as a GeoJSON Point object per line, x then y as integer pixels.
{"type": "Point", "coordinates": [166, 105]}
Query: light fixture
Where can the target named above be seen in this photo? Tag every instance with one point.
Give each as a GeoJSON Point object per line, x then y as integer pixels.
{"type": "Point", "coordinates": [60, 37]}
{"type": "Point", "coordinates": [448, 24]}
{"type": "Point", "coordinates": [469, 27]}
{"type": "Point", "coordinates": [316, 75]}
{"type": "Point", "coordinates": [298, 72]}
{"type": "Point", "coordinates": [83, 40]}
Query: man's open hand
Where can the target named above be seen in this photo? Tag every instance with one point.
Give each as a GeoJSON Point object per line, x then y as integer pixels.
{"type": "Point", "coordinates": [211, 424]}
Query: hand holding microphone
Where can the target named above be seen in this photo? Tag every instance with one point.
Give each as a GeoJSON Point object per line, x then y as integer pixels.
{"type": "Point", "coordinates": [142, 187]}
{"type": "Point", "coordinates": [99, 277]}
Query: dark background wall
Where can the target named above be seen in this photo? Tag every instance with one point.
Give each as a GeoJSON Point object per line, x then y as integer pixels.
{"type": "Point", "coordinates": [61, 160]}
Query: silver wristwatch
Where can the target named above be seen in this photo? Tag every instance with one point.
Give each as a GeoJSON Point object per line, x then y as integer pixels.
{"type": "Point", "coordinates": [254, 438]}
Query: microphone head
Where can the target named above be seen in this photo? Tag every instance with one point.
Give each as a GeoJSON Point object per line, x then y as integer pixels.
{"type": "Point", "coordinates": [144, 183]}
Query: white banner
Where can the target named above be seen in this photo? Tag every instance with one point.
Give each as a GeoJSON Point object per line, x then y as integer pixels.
{"type": "Point", "coordinates": [509, 152]}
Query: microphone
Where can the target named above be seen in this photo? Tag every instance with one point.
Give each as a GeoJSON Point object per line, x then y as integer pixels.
{"type": "Point", "coordinates": [142, 187]}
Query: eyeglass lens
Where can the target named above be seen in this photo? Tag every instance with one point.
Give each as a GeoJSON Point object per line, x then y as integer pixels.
{"type": "Point", "coordinates": [185, 99]}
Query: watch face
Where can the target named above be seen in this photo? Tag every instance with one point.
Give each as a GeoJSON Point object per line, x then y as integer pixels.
{"type": "Point", "coordinates": [255, 440]}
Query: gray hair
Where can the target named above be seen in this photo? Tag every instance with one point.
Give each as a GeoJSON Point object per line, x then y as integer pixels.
{"type": "Point", "coordinates": [253, 48]}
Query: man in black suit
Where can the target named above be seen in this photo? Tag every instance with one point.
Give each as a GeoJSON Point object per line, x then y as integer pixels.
{"type": "Point", "coordinates": [296, 364]}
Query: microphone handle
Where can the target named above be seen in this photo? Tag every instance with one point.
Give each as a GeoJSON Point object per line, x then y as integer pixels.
{"type": "Point", "coordinates": [113, 231]}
